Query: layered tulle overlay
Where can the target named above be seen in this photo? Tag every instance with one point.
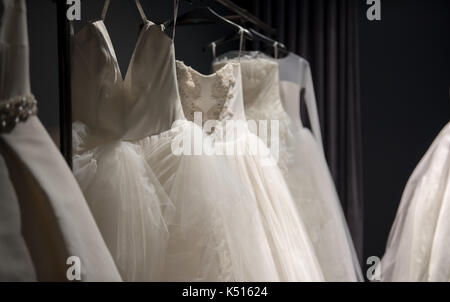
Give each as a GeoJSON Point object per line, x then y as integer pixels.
{"type": "Point", "coordinates": [303, 165]}
{"type": "Point", "coordinates": [290, 244]}
{"type": "Point", "coordinates": [170, 214]}
{"type": "Point", "coordinates": [217, 233]}
{"type": "Point", "coordinates": [131, 208]}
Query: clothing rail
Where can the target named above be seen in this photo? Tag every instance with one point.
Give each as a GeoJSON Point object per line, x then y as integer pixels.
{"type": "Point", "coordinates": [65, 92]}
{"type": "Point", "coordinates": [245, 15]}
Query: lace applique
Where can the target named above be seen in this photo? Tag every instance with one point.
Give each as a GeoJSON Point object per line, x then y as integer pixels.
{"type": "Point", "coordinates": [214, 106]}
{"type": "Point", "coordinates": [16, 110]}
{"type": "Point", "coordinates": [225, 273]}
{"type": "Point", "coordinates": [223, 92]}
{"type": "Point", "coordinates": [189, 89]}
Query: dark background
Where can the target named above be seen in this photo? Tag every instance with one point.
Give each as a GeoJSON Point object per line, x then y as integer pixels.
{"type": "Point", "coordinates": [405, 79]}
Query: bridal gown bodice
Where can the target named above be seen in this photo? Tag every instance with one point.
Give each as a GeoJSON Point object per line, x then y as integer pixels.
{"type": "Point", "coordinates": [44, 216]}
{"type": "Point", "coordinates": [116, 105]}
{"type": "Point", "coordinates": [418, 246]}
{"type": "Point", "coordinates": [111, 114]}
{"type": "Point", "coordinates": [219, 98]}
{"type": "Point", "coordinates": [304, 168]}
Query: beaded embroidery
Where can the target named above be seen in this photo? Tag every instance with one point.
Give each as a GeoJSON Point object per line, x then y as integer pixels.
{"type": "Point", "coordinates": [16, 110]}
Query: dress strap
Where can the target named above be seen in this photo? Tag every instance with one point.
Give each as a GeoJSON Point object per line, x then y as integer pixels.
{"type": "Point", "coordinates": [241, 41]}
{"type": "Point", "coordinates": [275, 50]}
{"type": "Point", "coordinates": [141, 11]}
{"type": "Point", "coordinates": [176, 3]}
{"type": "Point", "coordinates": [105, 9]}
{"type": "Point", "coordinates": [213, 50]}
{"type": "Point", "coordinates": [138, 4]}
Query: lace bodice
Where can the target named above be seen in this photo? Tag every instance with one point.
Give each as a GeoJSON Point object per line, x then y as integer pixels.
{"type": "Point", "coordinates": [217, 96]}
{"type": "Point", "coordinates": [260, 88]}
{"type": "Point", "coordinates": [262, 101]}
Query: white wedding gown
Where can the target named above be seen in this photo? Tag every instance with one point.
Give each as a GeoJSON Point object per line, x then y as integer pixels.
{"type": "Point", "coordinates": [418, 247]}
{"type": "Point", "coordinates": [304, 167]}
{"type": "Point", "coordinates": [219, 98]}
{"type": "Point", "coordinates": [164, 216]}
{"type": "Point", "coordinates": [131, 208]}
{"type": "Point", "coordinates": [44, 218]}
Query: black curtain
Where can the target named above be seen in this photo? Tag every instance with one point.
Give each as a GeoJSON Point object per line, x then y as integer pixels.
{"type": "Point", "coordinates": [325, 32]}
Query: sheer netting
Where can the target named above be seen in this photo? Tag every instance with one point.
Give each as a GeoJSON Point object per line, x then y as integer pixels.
{"type": "Point", "coordinates": [219, 97]}
{"type": "Point", "coordinates": [303, 165]}
{"type": "Point", "coordinates": [217, 233]}
{"type": "Point", "coordinates": [130, 207]}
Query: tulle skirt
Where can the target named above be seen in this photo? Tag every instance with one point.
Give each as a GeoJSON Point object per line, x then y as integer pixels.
{"type": "Point", "coordinates": [130, 207]}
{"type": "Point", "coordinates": [292, 249]}
{"type": "Point", "coordinates": [217, 233]}
{"type": "Point", "coordinates": [317, 202]}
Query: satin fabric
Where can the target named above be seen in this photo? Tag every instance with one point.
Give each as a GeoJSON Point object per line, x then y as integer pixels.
{"type": "Point", "coordinates": [55, 221]}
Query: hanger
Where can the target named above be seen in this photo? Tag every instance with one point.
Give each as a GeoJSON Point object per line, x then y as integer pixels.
{"type": "Point", "coordinates": [204, 15]}
{"type": "Point", "coordinates": [255, 36]}
{"type": "Point", "coordinates": [277, 46]}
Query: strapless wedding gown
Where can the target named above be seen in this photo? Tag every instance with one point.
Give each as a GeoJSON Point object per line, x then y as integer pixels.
{"type": "Point", "coordinates": [218, 97]}
{"type": "Point", "coordinates": [304, 168]}
{"type": "Point", "coordinates": [418, 248]}
{"type": "Point", "coordinates": [165, 216]}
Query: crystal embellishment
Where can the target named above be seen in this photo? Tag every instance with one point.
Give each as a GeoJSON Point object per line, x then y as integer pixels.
{"type": "Point", "coordinates": [16, 110]}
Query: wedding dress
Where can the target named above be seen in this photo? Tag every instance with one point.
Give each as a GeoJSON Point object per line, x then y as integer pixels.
{"type": "Point", "coordinates": [16, 264]}
{"type": "Point", "coordinates": [419, 242]}
{"type": "Point", "coordinates": [165, 216]}
{"type": "Point", "coordinates": [131, 208]}
{"type": "Point", "coordinates": [304, 168]}
{"type": "Point", "coordinates": [218, 97]}
{"type": "Point", "coordinates": [44, 216]}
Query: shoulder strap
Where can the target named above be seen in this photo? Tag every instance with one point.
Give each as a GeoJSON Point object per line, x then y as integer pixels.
{"type": "Point", "coordinates": [138, 4]}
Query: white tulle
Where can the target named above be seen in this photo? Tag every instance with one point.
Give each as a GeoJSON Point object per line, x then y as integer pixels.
{"type": "Point", "coordinates": [130, 207]}
{"type": "Point", "coordinates": [217, 233]}
{"type": "Point", "coordinates": [291, 247]}
{"type": "Point", "coordinates": [304, 168]}
{"type": "Point", "coordinates": [418, 247]}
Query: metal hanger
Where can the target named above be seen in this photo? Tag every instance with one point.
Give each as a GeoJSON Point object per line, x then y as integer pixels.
{"type": "Point", "coordinates": [255, 36]}
{"type": "Point", "coordinates": [205, 15]}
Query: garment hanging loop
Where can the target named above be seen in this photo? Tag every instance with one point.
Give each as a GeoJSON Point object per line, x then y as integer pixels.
{"type": "Point", "coordinates": [241, 41]}
{"type": "Point", "coordinates": [175, 15]}
{"type": "Point", "coordinates": [141, 11]}
{"type": "Point", "coordinates": [213, 50]}
{"type": "Point", "coordinates": [105, 9]}
{"type": "Point", "coordinates": [275, 49]}
{"type": "Point", "coordinates": [138, 4]}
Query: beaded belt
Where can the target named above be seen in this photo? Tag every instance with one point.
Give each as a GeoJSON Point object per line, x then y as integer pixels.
{"type": "Point", "coordinates": [16, 110]}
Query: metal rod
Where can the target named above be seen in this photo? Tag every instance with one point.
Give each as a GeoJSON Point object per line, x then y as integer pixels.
{"type": "Point", "coordinates": [65, 101]}
{"type": "Point", "coordinates": [248, 17]}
